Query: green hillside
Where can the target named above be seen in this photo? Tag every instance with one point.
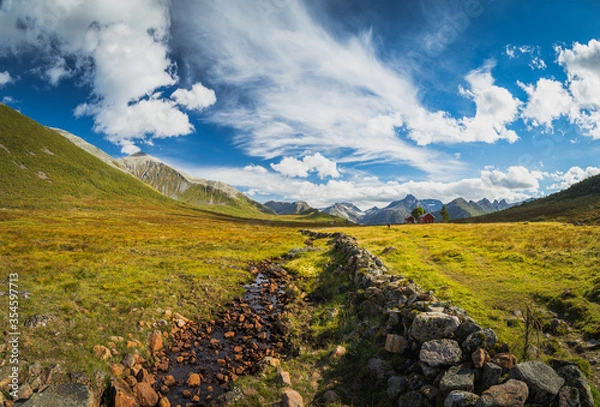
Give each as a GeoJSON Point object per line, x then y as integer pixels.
{"type": "Point", "coordinates": [578, 203]}
{"type": "Point", "coordinates": [42, 169]}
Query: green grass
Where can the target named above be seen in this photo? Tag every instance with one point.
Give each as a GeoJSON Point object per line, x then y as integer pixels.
{"type": "Point", "coordinates": [491, 270]}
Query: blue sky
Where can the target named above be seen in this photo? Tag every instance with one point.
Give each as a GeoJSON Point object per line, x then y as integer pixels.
{"type": "Point", "coordinates": [322, 101]}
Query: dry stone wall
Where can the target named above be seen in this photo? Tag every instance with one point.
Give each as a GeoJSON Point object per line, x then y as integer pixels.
{"type": "Point", "coordinates": [437, 355]}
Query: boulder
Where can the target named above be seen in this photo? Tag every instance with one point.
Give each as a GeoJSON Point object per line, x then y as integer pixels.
{"type": "Point", "coordinates": [457, 378]}
{"type": "Point", "coordinates": [433, 325]}
{"type": "Point", "coordinates": [120, 394]}
{"type": "Point", "coordinates": [505, 360]}
{"type": "Point", "coordinates": [465, 329]}
{"type": "Point", "coordinates": [291, 398]}
{"type": "Point", "coordinates": [543, 382]}
{"type": "Point", "coordinates": [440, 352]}
{"type": "Point", "coordinates": [491, 375]}
{"type": "Point", "coordinates": [575, 378]}
{"type": "Point", "coordinates": [513, 393]}
{"type": "Point", "coordinates": [396, 386]}
{"type": "Point", "coordinates": [568, 397]}
{"type": "Point", "coordinates": [62, 395]}
{"type": "Point", "coordinates": [395, 343]}
{"type": "Point", "coordinates": [193, 380]}
{"type": "Point", "coordinates": [283, 378]}
{"type": "Point", "coordinates": [330, 397]}
{"type": "Point", "coordinates": [145, 394]}
{"type": "Point", "coordinates": [155, 341]}
{"type": "Point", "coordinates": [480, 357]}
{"type": "Point", "coordinates": [485, 338]}
{"type": "Point", "coordinates": [461, 398]}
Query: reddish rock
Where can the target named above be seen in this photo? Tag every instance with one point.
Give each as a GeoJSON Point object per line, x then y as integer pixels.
{"type": "Point", "coordinates": [121, 395]}
{"type": "Point", "coordinates": [145, 394]}
{"type": "Point", "coordinates": [229, 335]}
{"type": "Point", "coordinates": [480, 357]}
{"type": "Point", "coordinates": [193, 380]}
{"type": "Point", "coordinates": [291, 398]}
{"type": "Point", "coordinates": [505, 360]}
{"type": "Point", "coordinates": [116, 369]}
{"type": "Point", "coordinates": [395, 343]}
{"type": "Point", "coordinates": [102, 352]}
{"type": "Point", "coordinates": [168, 380]}
{"type": "Point", "coordinates": [164, 402]}
{"type": "Point", "coordinates": [131, 381]}
{"type": "Point", "coordinates": [155, 341]}
{"type": "Point", "coordinates": [283, 378]}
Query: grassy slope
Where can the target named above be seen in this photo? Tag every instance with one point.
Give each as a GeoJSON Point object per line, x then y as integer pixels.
{"type": "Point", "coordinates": [492, 270]}
{"type": "Point", "coordinates": [580, 202]}
{"type": "Point", "coordinates": [43, 169]}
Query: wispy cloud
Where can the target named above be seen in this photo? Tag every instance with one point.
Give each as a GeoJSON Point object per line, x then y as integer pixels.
{"type": "Point", "coordinates": [5, 78]}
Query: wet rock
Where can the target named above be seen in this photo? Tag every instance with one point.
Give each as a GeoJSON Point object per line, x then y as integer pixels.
{"type": "Point", "coordinates": [414, 399]}
{"type": "Point", "coordinates": [62, 395]}
{"type": "Point", "coordinates": [460, 398]}
{"type": "Point", "coordinates": [193, 380]}
{"type": "Point", "coordinates": [485, 338]}
{"type": "Point", "coordinates": [575, 378]}
{"type": "Point", "coordinates": [168, 380]}
{"type": "Point", "coordinates": [440, 352]}
{"type": "Point", "coordinates": [164, 402]}
{"type": "Point", "coordinates": [543, 382]}
{"type": "Point", "coordinates": [457, 378]}
{"type": "Point", "coordinates": [513, 393]}
{"type": "Point", "coordinates": [145, 394]}
{"type": "Point", "coordinates": [433, 325]}
{"type": "Point", "coordinates": [395, 343]}
{"type": "Point", "coordinates": [291, 398]}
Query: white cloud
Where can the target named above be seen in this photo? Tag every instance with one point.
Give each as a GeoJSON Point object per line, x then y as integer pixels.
{"type": "Point", "coordinates": [572, 176]}
{"type": "Point", "coordinates": [197, 98]}
{"type": "Point", "coordinates": [533, 52]}
{"type": "Point", "coordinates": [514, 184]}
{"type": "Point", "coordinates": [511, 51]}
{"type": "Point", "coordinates": [5, 78]}
{"type": "Point", "coordinates": [118, 48]}
{"type": "Point", "coordinates": [292, 167]}
{"type": "Point", "coordinates": [548, 100]}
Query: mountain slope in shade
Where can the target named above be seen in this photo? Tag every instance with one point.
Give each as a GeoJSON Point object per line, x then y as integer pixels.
{"type": "Point", "coordinates": [179, 186]}
{"type": "Point", "coordinates": [397, 211]}
{"type": "Point", "coordinates": [41, 169]}
{"type": "Point", "coordinates": [578, 203]}
{"type": "Point", "coordinates": [289, 208]}
{"type": "Point", "coordinates": [460, 208]}
{"type": "Point", "coordinates": [346, 211]}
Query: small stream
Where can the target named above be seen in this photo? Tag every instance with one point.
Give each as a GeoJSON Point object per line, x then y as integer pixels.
{"type": "Point", "coordinates": [222, 350]}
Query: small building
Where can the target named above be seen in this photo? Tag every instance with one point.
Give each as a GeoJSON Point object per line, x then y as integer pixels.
{"type": "Point", "coordinates": [427, 218]}
{"type": "Point", "coordinates": [410, 219]}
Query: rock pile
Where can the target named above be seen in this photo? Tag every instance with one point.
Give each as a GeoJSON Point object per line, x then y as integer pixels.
{"type": "Point", "coordinates": [435, 354]}
{"type": "Point", "coordinates": [204, 359]}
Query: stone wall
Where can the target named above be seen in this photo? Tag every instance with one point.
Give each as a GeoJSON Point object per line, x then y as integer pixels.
{"type": "Point", "coordinates": [435, 354]}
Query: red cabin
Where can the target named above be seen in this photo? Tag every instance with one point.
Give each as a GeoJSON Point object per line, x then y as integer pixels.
{"type": "Point", "coordinates": [427, 218]}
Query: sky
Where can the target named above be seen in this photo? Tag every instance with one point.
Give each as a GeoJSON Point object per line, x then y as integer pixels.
{"type": "Point", "coordinates": [322, 101]}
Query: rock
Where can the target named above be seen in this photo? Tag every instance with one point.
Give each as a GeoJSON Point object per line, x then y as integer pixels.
{"type": "Point", "coordinates": [25, 391]}
{"type": "Point", "coordinates": [338, 352]}
{"type": "Point", "coordinates": [395, 343]}
{"type": "Point", "coordinates": [414, 399]}
{"type": "Point", "coordinates": [388, 250]}
{"type": "Point", "coordinates": [568, 397]}
{"type": "Point", "coordinates": [102, 352]}
{"type": "Point", "coordinates": [543, 382]}
{"type": "Point", "coordinates": [505, 360]}
{"type": "Point", "coordinates": [35, 369]}
{"type": "Point", "coordinates": [291, 398]}
{"type": "Point", "coordinates": [330, 397]}
{"type": "Point", "coordinates": [479, 358]}
{"type": "Point", "coordinates": [440, 352]}
{"type": "Point", "coordinates": [491, 375]}
{"type": "Point", "coordinates": [193, 380]}
{"type": "Point", "coordinates": [120, 394]}
{"type": "Point", "coordinates": [485, 338]}
{"type": "Point", "coordinates": [155, 341]}
{"type": "Point", "coordinates": [431, 392]}
{"type": "Point", "coordinates": [378, 368]}
{"type": "Point", "coordinates": [396, 386]}
{"type": "Point", "coordinates": [433, 325]}
{"type": "Point", "coordinates": [164, 402]}
{"type": "Point", "coordinates": [37, 321]}
{"type": "Point", "coordinates": [457, 378]}
{"type": "Point", "coordinates": [513, 393]}
{"type": "Point", "coordinates": [465, 329]}
{"type": "Point", "coordinates": [129, 360]}
{"type": "Point", "coordinates": [269, 361]}
{"type": "Point", "coordinates": [116, 369]}
{"type": "Point", "coordinates": [145, 394]}
{"type": "Point", "coordinates": [575, 378]}
{"type": "Point", "coordinates": [62, 395]}
{"type": "Point", "coordinates": [283, 378]}
{"type": "Point", "coordinates": [460, 398]}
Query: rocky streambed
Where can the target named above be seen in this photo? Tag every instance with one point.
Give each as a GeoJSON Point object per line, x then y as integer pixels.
{"type": "Point", "coordinates": [203, 359]}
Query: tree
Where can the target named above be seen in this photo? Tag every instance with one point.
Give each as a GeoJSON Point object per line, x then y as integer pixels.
{"type": "Point", "coordinates": [417, 212]}
{"type": "Point", "coordinates": [445, 214]}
